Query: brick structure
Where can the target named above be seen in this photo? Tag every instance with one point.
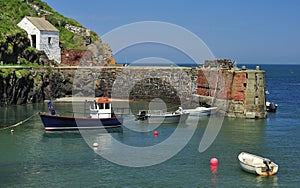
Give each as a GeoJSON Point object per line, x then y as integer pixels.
{"type": "Point", "coordinates": [243, 89]}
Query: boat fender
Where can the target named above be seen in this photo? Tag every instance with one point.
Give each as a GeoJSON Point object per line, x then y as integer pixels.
{"type": "Point", "coordinates": [52, 111]}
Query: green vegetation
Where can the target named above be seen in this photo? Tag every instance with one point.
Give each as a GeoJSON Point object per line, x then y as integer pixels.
{"type": "Point", "coordinates": [22, 73]}
{"type": "Point", "coordinates": [25, 62]}
{"type": "Point", "coordinates": [5, 72]}
{"type": "Point", "coordinates": [13, 40]}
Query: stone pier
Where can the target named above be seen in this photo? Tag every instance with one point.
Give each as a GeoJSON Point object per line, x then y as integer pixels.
{"type": "Point", "coordinates": [243, 90]}
{"type": "Point", "coordinates": [240, 93]}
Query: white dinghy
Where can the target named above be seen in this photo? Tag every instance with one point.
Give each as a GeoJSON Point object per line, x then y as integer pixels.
{"type": "Point", "coordinates": [257, 165]}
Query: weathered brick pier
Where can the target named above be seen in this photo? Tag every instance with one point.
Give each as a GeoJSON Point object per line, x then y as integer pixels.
{"type": "Point", "coordinates": [243, 89]}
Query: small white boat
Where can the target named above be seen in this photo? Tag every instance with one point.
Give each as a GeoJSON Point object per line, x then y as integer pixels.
{"type": "Point", "coordinates": [201, 111]}
{"type": "Point", "coordinates": [257, 165]}
{"type": "Point", "coordinates": [159, 116]}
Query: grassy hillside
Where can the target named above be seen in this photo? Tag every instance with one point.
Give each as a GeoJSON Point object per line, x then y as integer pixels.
{"type": "Point", "coordinates": [12, 11]}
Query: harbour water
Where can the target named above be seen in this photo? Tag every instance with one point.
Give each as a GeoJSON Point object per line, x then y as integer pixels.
{"type": "Point", "coordinates": [30, 157]}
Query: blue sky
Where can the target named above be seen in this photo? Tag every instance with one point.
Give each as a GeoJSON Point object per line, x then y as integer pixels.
{"type": "Point", "coordinates": [248, 31]}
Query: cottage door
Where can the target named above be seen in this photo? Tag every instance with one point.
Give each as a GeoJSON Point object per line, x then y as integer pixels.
{"type": "Point", "coordinates": [33, 38]}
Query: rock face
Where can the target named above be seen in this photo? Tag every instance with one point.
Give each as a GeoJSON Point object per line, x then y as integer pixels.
{"type": "Point", "coordinates": [33, 85]}
{"type": "Point", "coordinates": [96, 54]}
{"type": "Point", "coordinates": [15, 86]}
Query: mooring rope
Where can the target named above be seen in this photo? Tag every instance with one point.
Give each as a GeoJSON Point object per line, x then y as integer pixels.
{"type": "Point", "coordinates": [19, 123]}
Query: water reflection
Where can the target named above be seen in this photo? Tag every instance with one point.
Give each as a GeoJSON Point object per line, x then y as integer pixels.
{"type": "Point", "coordinates": [266, 181]}
{"type": "Point", "coordinates": [12, 114]}
{"type": "Point", "coordinates": [247, 134]}
{"type": "Point", "coordinates": [79, 134]}
{"type": "Point", "coordinates": [214, 180]}
{"type": "Point", "coordinates": [259, 181]}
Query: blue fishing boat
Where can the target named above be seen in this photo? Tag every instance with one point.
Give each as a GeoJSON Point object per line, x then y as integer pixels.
{"type": "Point", "coordinates": [101, 116]}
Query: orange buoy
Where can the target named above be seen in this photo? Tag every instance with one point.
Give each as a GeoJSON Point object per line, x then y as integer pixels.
{"type": "Point", "coordinates": [155, 133]}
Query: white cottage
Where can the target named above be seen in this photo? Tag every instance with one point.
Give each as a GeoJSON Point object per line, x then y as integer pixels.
{"type": "Point", "coordinates": [43, 36]}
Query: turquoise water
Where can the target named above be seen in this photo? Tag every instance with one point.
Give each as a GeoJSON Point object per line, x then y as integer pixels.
{"type": "Point", "coordinates": [29, 157]}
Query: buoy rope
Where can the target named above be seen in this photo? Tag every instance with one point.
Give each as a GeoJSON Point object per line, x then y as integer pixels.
{"type": "Point", "coordinates": [19, 123]}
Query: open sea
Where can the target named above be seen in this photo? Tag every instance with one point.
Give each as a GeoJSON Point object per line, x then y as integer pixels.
{"type": "Point", "coordinates": [31, 157]}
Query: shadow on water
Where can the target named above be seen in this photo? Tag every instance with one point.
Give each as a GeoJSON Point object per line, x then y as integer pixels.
{"type": "Point", "coordinates": [246, 134]}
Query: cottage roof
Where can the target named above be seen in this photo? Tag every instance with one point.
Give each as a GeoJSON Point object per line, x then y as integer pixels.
{"type": "Point", "coordinates": [41, 24]}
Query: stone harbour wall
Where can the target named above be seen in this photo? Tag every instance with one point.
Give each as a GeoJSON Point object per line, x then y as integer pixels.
{"type": "Point", "coordinates": [171, 84]}
{"type": "Point", "coordinates": [237, 92]}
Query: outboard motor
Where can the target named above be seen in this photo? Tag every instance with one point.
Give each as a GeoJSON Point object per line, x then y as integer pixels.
{"type": "Point", "coordinates": [179, 111]}
{"type": "Point", "coordinates": [271, 107]}
{"type": "Point", "coordinates": [141, 116]}
{"type": "Point", "coordinates": [267, 162]}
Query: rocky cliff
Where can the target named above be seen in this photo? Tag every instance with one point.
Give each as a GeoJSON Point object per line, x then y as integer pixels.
{"type": "Point", "coordinates": [33, 85]}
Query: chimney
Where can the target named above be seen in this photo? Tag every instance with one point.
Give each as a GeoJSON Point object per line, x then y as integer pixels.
{"type": "Point", "coordinates": [44, 16]}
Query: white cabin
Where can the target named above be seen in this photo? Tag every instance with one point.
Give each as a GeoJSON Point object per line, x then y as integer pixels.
{"type": "Point", "coordinates": [101, 108]}
{"type": "Point", "coordinates": [43, 36]}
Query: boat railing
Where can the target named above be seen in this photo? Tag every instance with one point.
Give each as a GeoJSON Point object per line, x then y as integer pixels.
{"type": "Point", "coordinates": [153, 112]}
{"type": "Point", "coordinates": [116, 111]}
{"type": "Point", "coordinates": [121, 111]}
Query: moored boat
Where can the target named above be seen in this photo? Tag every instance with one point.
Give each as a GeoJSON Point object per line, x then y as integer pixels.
{"type": "Point", "coordinates": [101, 116]}
{"type": "Point", "coordinates": [271, 106]}
{"type": "Point", "coordinates": [257, 165]}
{"type": "Point", "coordinates": [201, 111]}
{"type": "Point", "coordinates": [159, 116]}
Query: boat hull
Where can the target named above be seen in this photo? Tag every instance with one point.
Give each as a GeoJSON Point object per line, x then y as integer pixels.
{"type": "Point", "coordinates": [163, 118]}
{"type": "Point", "coordinates": [201, 111]}
{"type": "Point", "coordinates": [65, 123]}
{"type": "Point", "coordinates": [254, 164]}
{"type": "Point", "coordinates": [174, 118]}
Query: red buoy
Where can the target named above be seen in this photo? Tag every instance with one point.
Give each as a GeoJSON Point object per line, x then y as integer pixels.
{"type": "Point", "coordinates": [155, 133]}
{"type": "Point", "coordinates": [214, 161]}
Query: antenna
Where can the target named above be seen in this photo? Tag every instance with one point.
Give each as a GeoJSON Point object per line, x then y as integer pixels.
{"type": "Point", "coordinates": [106, 92]}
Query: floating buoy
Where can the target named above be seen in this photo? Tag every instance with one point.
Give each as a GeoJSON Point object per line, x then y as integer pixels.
{"type": "Point", "coordinates": [12, 131]}
{"type": "Point", "coordinates": [214, 161]}
{"type": "Point", "coordinates": [95, 144]}
{"type": "Point", "coordinates": [155, 133]}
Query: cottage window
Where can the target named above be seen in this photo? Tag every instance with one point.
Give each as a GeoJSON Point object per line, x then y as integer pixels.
{"type": "Point", "coordinates": [49, 40]}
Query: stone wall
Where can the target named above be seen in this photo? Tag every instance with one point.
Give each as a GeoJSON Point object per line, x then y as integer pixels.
{"type": "Point", "coordinates": [171, 84]}
{"type": "Point", "coordinates": [77, 30]}
{"type": "Point", "coordinates": [237, 93]}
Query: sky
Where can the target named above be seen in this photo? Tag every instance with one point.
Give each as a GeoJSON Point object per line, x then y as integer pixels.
{"type": "Point", "coordinates": [247, 31]}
